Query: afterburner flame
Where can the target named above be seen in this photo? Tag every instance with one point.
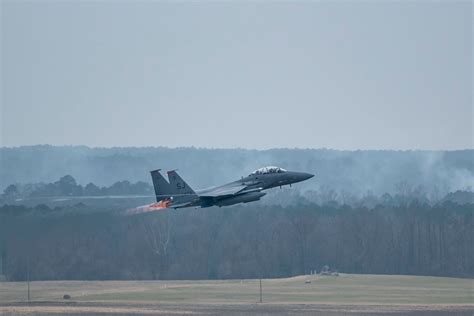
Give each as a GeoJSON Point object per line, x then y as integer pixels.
{"type": "Point", "coordinates": [153, 207]}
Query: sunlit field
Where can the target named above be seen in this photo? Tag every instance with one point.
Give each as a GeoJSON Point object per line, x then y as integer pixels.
{"type": "Point", "coordinates": [302, 294]}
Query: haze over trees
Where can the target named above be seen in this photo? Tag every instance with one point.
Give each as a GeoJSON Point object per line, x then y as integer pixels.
{"type": "Point", "coordinates": [389, 212]}
{"type": "Point", "coordinates": [67, 186]}
{"type": "Point", "coordinates": [347, 173]}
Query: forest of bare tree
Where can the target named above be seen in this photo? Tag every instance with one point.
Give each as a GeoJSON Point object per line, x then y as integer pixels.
{"type": "Point", "coordinates": [245, 241]}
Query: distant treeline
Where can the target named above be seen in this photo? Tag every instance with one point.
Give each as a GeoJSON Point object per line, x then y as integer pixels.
{"type": "Point", "coordinates": [244, 241]}
{"type": "Point", "coordinates": [355, 173]}
{"type": "Point", "coordinates": [67, 186]}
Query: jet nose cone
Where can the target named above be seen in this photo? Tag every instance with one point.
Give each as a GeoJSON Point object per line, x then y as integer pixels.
{"type": "Point", "coordinates": [302, 176]}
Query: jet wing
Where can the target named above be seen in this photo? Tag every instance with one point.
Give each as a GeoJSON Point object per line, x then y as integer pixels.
{"type": "Point", "coordinates": [222, 191]}
{"type": "Point", "coordinates": [226, 190]}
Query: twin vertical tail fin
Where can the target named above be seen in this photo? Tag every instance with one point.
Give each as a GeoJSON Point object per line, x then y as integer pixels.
{"type": "Point", "coordinates": [162, 187]}
{"type": "Point", "coordinates": [176, 186]}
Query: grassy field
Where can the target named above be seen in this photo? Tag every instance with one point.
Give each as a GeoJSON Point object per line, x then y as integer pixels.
{"type": "Point", "coordinates": [346, 292]}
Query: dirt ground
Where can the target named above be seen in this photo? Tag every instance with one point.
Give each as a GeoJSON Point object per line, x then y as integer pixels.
{"type": "Point", "coordinates": [96, 308]}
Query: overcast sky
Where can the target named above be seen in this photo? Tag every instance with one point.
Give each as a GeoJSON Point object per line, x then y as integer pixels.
{"type": "Point", "coordinates": [344, 75]}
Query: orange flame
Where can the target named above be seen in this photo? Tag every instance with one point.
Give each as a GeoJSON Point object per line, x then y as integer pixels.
{"type": "Point", "coordinates": [153, 207]}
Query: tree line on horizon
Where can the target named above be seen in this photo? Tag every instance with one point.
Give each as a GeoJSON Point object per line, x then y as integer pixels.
{"type": "Point", "coordinates": [67, 186]}
{"type": "Point", "coordinates": [349, 172]}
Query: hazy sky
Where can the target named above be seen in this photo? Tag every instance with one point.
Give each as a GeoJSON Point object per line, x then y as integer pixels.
{"type": "Point", "coordinates": [368, 75]}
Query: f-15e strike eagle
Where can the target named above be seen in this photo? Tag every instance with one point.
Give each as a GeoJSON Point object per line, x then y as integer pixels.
{"type": "Point", "coordinates": [176, 193]}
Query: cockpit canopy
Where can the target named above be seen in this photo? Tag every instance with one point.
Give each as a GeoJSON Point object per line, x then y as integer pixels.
{"type": "Point", "coordinates": [269, 169]}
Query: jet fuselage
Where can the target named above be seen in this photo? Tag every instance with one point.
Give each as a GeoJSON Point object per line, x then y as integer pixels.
{"type": "Point", "coordinates": [178, 194]}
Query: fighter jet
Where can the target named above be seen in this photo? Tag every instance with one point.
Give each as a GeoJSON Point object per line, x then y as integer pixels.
{"type": "Point", "coordinates": [176, 193]}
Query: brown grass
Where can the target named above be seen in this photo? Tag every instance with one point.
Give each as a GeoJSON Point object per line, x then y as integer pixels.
{"type": "Point", "coordinates": [346, 294]}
